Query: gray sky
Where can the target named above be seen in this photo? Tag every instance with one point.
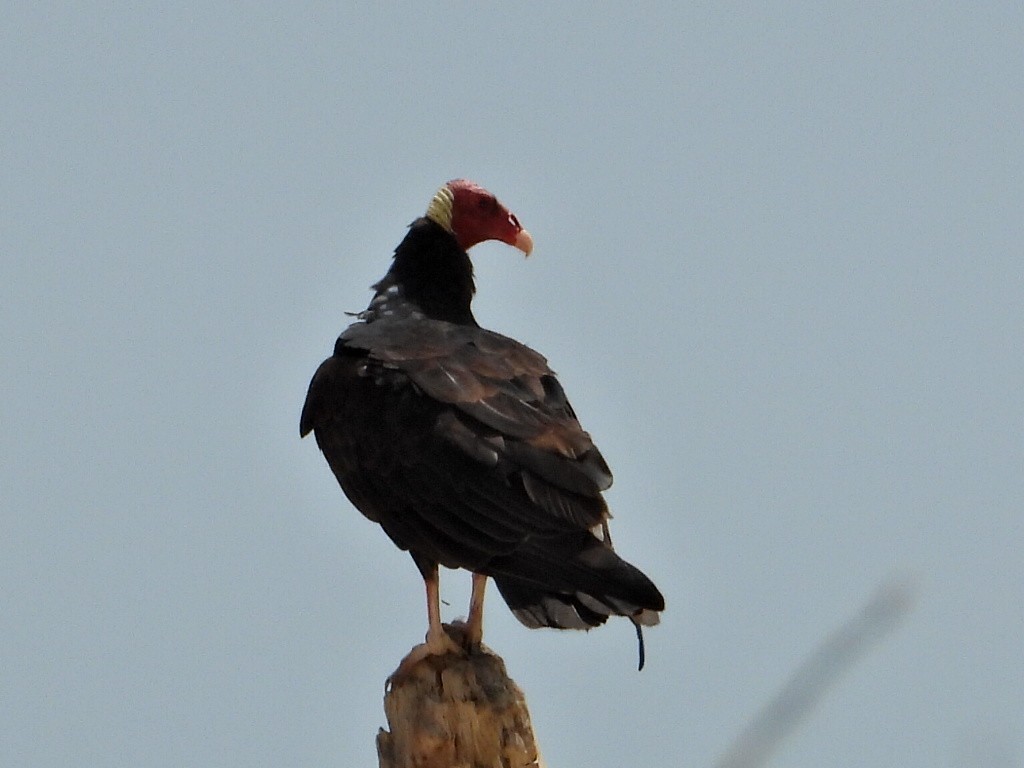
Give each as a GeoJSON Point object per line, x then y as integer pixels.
{"type": "Point", "coordinates": [778, 268]}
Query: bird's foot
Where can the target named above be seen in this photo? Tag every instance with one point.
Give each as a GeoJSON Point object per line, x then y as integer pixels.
{"type": "Point", "coordinates": [437, 643]}
{"type": "Point", "coordinates": [468, 635]}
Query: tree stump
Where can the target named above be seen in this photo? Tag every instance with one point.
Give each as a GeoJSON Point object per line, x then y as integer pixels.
{"type": "Point", "coordinates": [459, 710]}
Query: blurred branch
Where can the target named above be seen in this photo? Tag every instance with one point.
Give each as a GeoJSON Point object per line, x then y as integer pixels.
{"type": "Point", "coordinates": [805, 688]}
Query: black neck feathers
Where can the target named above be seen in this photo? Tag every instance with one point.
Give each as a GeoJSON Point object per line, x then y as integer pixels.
{"type": "Point", "coordinates": [430, 272]}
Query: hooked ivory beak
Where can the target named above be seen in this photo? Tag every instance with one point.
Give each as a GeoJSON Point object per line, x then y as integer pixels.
{"type": "Point", "coordinates": [524, 242]}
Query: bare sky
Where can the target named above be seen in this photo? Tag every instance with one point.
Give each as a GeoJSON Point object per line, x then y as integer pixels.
{"type": "Point", "coordinates": [778, 268]}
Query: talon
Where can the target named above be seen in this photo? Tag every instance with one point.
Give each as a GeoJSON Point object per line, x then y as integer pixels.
{"type": "Point", "coordinates": [436, 643]}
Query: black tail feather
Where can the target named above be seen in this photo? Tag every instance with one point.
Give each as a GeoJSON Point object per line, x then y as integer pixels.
{"type": "Point", "coordinates": [575, 581]}
{"type": "Point", "coordinates": [578, 570]}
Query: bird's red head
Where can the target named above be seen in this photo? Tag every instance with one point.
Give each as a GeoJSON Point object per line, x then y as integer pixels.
{"type": "Point", "coordinates": [473, 215]}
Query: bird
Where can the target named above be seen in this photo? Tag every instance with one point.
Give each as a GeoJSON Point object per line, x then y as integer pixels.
{"type": "Point", "coordinates": [462, 445]}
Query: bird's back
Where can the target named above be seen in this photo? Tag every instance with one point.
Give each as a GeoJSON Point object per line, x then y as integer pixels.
{"type": "Point", "coordinates": [461, 443]}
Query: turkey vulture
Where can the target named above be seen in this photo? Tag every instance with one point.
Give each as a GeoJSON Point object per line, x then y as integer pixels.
{"type": "Point", "coordinates": [461, 443]}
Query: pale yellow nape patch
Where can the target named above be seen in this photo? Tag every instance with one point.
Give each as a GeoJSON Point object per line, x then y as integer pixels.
{"type": "Point", "coordinates": [440, 209]}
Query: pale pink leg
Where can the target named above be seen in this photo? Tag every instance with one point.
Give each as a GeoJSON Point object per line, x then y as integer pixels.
{"type": "Point", "coordinates": [437, 639]}
{"type": "Point", "coordinates": [475, 622]}
{"type": "Point", "coordinates": [438, 643]}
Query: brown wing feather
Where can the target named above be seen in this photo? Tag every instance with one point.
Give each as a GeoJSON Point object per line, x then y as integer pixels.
{"type": "Point", "coordinates": [505, 388]}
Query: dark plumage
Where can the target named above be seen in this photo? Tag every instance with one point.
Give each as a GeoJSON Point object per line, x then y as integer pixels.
{"type": "Point", "coordinates": [461, 443]}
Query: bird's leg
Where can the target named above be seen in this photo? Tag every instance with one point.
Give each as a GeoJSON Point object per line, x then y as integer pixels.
{"type": "Point", "coordinates": [475, 622]}
{"type": "Point", "coordinates": [438, 642]}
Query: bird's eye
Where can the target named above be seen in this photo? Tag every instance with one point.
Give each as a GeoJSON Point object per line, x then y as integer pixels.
{"type": "Point", "coordinates": [487, 204]}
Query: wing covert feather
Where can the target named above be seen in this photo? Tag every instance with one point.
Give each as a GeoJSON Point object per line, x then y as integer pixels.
{"type": "Point", "coordinates": [500, 405]}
